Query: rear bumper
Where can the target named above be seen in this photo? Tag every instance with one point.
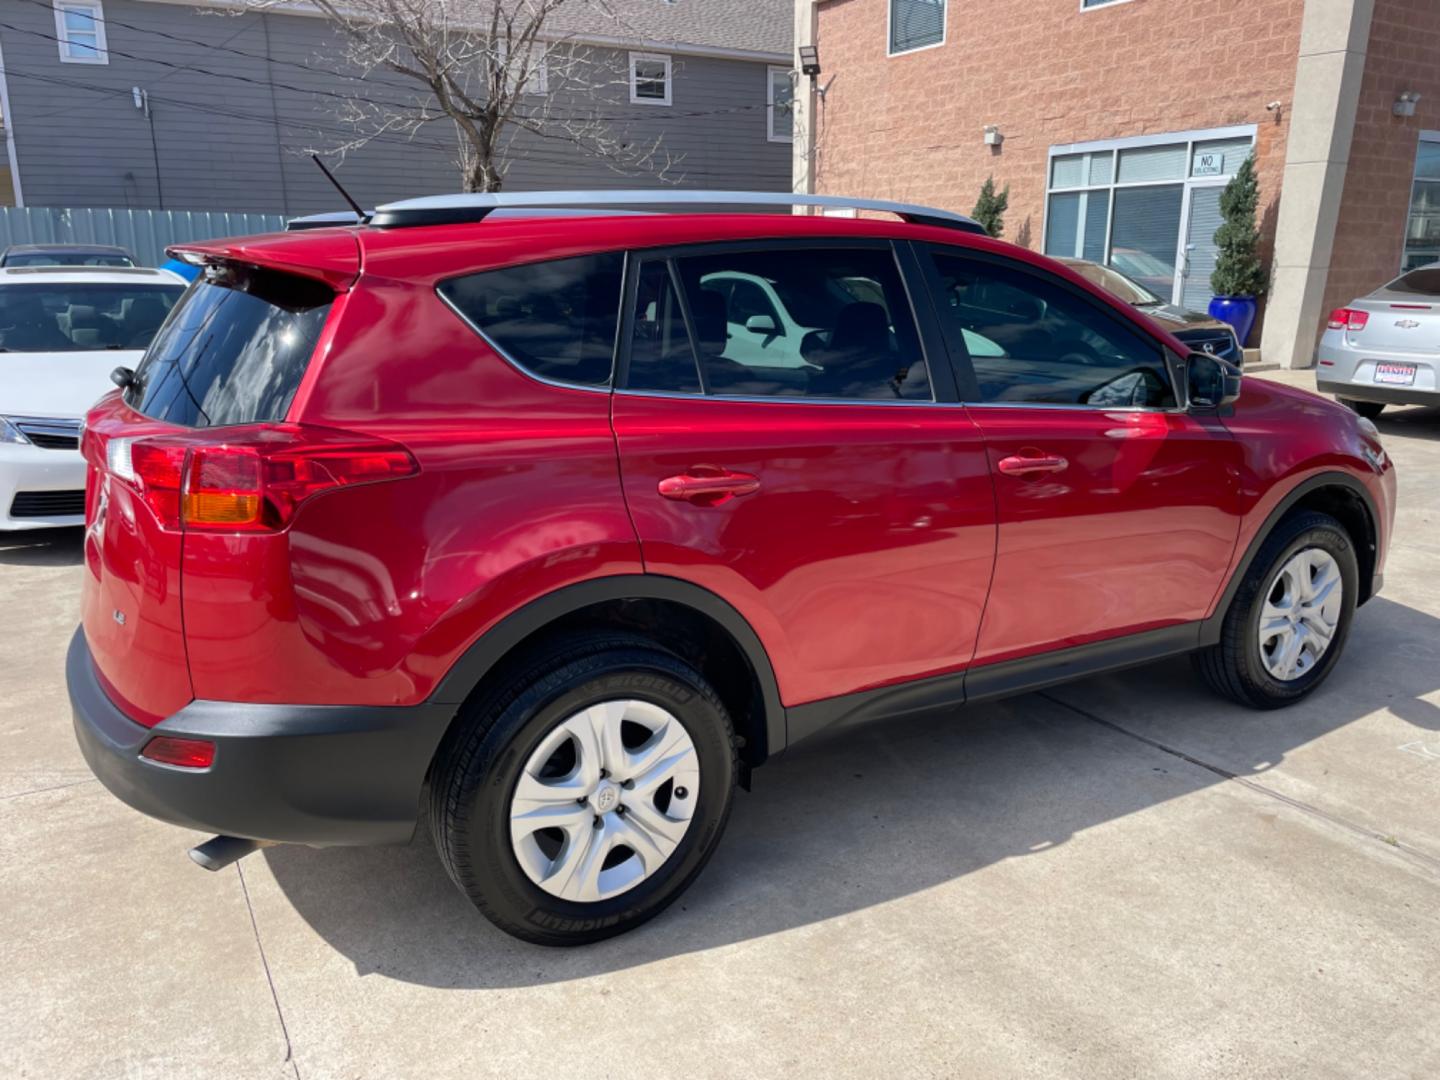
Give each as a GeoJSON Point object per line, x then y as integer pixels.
{"type": "Point", "coordinates": [306, 774]}
{"type": "Point", "coordinates": [1390, 395]}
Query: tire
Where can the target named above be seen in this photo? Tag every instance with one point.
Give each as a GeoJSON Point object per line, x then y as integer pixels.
{"type": "Point", "coordinates": [517, 881]}
{"type": "Point", "coordinates": [1368, 409]}
{"type": "Point", "coordinates": [1237, 666]}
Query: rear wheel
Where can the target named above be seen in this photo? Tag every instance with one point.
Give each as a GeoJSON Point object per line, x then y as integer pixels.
{"type": "Point", "coordinates": [1368, 409]}
{"type": "Point", "coordinates": [586, 792]}
{"type": "Point", "coordinates": [1286, 627]}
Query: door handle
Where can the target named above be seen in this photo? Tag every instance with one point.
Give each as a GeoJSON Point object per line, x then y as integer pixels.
{"type": "Point", "coordinates": [708, 486]}
{"type": "Point", "coordinates": [1024, 465]}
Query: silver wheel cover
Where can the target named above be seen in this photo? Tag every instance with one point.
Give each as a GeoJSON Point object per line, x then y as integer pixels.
{"type": "Point", "coordinates": [1301, 614]}
{"type": "Point", "coordinates": [612, 817]}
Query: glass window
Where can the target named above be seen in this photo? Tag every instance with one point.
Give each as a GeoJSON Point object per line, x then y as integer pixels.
{"type": "Point", "coordinates": [1102, 167]}
{"type": "Point", "coordinates": [1077, 225]}
{"type": "Point", "coordinates": [649, 79]}
{"type": "Point", "coordinates": [1422, 231]}
{"type": "Point", "coordinates": [1146, 164]}
{"type": "Point", "coordinates": [916, 23]}
{"type": "Point", "coordinates": [1067, 171]}
{"type": "Point", "coordinates": [1146, 235]}
{"type": "Point", "coordinates": [235, 350]}
{"type": "Point", "coordinates": [82, 317]}
{"type": "Point", "coordinates": [660, 354]}
{"type": "Point", "coordinates": [1031, 340]}
{"type": "Point", "coordinates": [781, 102]}
{"type": "Point", "coordinates": [827, 323]}
{"type": "Point", "coordinates": [80, 28]}
{"type": "Point", "coordinates": [554, 319]}
{"type": "Point", "coordinates": [1219, 157]}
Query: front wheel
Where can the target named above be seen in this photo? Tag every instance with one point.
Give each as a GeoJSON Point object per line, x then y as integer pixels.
{"type": "Point", "coordinates": [1368, 409]}
{"type": "Point", "coordinates": [1287, 624]}
{"type": "Point", "coordinates": [584, 793]}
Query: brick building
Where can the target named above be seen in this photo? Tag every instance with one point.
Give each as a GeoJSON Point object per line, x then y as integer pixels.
{"type": "Point", "coordinates": [1117, 122]}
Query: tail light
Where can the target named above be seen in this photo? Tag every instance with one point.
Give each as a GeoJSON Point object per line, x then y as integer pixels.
{"type": "Point", "coordinates": [254, 481]}
{"type": "Point", "coordinates": [1350, 319]}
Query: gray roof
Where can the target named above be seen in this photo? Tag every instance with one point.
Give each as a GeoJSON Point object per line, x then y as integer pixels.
{"type": "Point", "coordinates": [749, 25]}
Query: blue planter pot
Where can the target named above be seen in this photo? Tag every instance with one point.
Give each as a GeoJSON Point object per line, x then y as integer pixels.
{"type": "Point", "coordinates": [1238, 311]}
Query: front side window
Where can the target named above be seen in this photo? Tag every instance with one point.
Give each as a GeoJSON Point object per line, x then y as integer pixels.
{"type": "Point", "coordinates": [554, 319]}
{"type": "Point", "coordinates": [82, 317]}
{"type": "Point", "coordinates": [781, 105]}
{"type": "Point", "coordinates": [1032, 341]}
{"type": "Point", "coordinates": [80, 28]}
{"type": "Point", "coordinates": [649, 79]}
{"type": "Point", "coordinates": [916, 24]}
{"type": "Point", "coordinates": [828, 323]}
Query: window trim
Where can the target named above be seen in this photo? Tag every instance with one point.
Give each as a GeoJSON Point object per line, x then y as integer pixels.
{"type": "Point", "coordinates": [890, 49]}
{"type": "Point", "coordinates": [938, 367]}
{"type": "Point", "coordinates": [1100, 5]}
{"type": "Point", "coordinates": [963, 368]}
{"type": "Point", "coordinates": [96, 11]}
{"type": "Point", "coordinates": [663, 58]}
{"type": "Point", "coordinates": [770, 72]}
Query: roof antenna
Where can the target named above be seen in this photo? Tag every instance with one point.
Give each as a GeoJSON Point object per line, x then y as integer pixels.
{"type": "Point", "coordinates": [360, 214]}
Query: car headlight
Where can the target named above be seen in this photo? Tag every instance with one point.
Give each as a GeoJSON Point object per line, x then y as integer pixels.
{"type": "Point", "coordinates": [9, 433]}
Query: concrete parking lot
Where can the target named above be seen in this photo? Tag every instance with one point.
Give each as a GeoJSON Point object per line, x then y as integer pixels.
{"type": "Point", "coordinates": [1121, 877]}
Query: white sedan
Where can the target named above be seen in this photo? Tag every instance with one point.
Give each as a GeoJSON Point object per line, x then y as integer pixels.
{"type": "Point", "coordinates": [62, 331]}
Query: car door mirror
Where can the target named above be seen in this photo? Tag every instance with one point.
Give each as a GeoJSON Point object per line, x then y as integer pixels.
{"type": "Point", "coordinates": [761, 324]}
{"type": "Point", "coordinates": [1211, 383]}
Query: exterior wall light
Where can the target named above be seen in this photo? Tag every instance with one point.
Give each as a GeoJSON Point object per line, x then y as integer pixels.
{"type": "Point", "coordinates": [1406, 102]}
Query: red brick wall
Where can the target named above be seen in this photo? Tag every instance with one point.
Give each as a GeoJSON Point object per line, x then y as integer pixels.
{"type": "Point", "coordinates": [909, 127]}
{"type": "Point", "coordinates": [1403, 54]}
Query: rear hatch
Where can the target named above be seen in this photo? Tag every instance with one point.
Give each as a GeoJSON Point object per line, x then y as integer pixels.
{"type": "Point", "coordinates": [227, 363]}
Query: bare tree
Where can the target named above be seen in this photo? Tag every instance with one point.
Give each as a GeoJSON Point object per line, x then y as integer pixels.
{"type": "Point", "coordinates": [496, 71]}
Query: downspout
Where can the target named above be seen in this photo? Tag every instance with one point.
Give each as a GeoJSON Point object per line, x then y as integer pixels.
{"type": "Point", "coordinates": [9, 118]}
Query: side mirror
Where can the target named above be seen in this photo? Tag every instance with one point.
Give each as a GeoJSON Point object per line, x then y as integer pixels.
{"type": "Point", "coordinates": [1211, 383]}
{"type": "Point", "coordinates": [123, 377]}
{"type": "Point", "coordinates": [761, 324]}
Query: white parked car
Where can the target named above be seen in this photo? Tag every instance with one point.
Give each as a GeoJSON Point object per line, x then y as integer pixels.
{"type": "Point", "coordinates": [63, 330]}
{"type": "Point", "coordinates": [1384, 349]}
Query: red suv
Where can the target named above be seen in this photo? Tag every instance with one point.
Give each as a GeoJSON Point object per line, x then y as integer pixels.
{"type": "Point", "coordinates": [560, 525]}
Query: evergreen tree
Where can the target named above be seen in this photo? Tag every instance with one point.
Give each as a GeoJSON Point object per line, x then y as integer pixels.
{"type": "Point", "coordinates": [1238, 270]}
{"type": "Point", "coordinates": [990, 209]}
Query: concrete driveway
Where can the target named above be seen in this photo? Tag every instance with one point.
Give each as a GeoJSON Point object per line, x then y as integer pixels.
{"type": "Point", "coordinates": [1123, 877]}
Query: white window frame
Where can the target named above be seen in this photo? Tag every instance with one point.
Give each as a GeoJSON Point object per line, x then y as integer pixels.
{"type": "Point", "coordinates": [661, 58]}
{"type": "Point", "coordinates": [770, 133]}
{"type": "Point", "coordinates": [1107, 191]}
{"type": "Point", "coordinates": [1101, 6]}
{"type": "Point", "coordinates": [96, 12]}
{"type": "Point", "coordinates": [538, 84]}
{"type": "Point", "coordinates": [890, 50]}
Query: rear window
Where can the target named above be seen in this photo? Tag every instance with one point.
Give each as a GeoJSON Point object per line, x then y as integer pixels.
{"type": "Point", "coordinates": [1424, 281]}
{"type": "Point", "coordinates": [554, 319]}
{"type": "Point", "coordinates": [234, 350]}
{"type": "Point", "coordinates": [69, 258]}
{"type": "Point", "coordinates": [82, 317]}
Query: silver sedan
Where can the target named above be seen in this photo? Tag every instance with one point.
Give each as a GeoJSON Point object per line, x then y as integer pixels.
{"type": "Point", "coordinates": [1384, 349]}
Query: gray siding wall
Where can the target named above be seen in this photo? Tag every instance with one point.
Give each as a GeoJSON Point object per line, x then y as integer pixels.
{"type": "Point", "coordinates": [224, 143]}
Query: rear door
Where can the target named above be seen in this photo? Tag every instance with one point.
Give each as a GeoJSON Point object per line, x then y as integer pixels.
{"type": "Point", "coordinates": [1118, 512]}
{"type": "Point", "coordinates": [837, 503]}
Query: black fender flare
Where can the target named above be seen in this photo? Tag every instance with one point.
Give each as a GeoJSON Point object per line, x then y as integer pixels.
{"type": "Point", "coordinates": [1210, 628]}
{"type": "Point", "coordinates": [491, 647]}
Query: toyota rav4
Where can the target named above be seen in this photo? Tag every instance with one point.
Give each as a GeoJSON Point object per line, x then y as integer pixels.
{"type": "Point", "coordinates": [531, 520]}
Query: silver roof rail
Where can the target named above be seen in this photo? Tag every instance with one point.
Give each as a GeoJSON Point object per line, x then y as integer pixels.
{"type": "Point", "coordinates": [456, 209]}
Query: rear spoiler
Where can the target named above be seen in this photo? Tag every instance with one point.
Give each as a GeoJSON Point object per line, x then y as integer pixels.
{"type": "Point", "coordinates": [332, 257]}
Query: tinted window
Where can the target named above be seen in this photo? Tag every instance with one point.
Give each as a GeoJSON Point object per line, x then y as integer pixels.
{"type": "Point", "coordinates": [68, 258]}
{"type": "Point", "coordinates": [660, 354]}
{"type": "Point", "coordinates": [1424, 281]}
{"type": "Point", "coordinates": [1030, 339]}
{"type": "Point", "coordinates": [835, 323]}
{"type": "Point", "coordinates": [82, 317]}
{"type": "Point", "coordinates": [555, 319]}
{"type": "Point", "coordinates": [234, 351]}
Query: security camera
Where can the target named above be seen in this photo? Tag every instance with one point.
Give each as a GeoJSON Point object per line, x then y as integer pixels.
{"type": "Point", "coordinates": [1272, 107]}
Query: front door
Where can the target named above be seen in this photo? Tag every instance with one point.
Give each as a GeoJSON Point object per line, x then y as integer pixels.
{"type": "Point", "coordinates": [828, 496]}
{"type": "Point", "coordinates": [1199, 254]}
{"type": "Point", "coordinates": [1117, 511]}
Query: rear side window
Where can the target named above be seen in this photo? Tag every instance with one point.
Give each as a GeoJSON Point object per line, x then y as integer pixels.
{"type": "Point", "coordinates": [554, 319]}
{"type": "Point", "coordinates": [787, 322]}
{"type": "Point", "coordinates": [234, 349]}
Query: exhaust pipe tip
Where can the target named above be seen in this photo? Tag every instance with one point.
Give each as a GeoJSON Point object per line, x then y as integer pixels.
{"type": "Point", "coordinates": [220, 851]}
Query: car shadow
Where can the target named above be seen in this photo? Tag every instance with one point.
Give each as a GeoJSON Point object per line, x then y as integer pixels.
{"type": "Point", "coordinates": [43, 547]}
{"type": "Point", "coordinates": [859, 817]}
{"type": "Point", "coordinates": [1411, 422]}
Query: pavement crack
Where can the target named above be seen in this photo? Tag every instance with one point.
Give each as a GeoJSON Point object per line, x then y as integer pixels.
{"type": "Point", "coordinates": [269, 978]}
{"type": "Point", "coordinates": [1430, 862]}
{"type": "Point", "coordinates": [42, 790]}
